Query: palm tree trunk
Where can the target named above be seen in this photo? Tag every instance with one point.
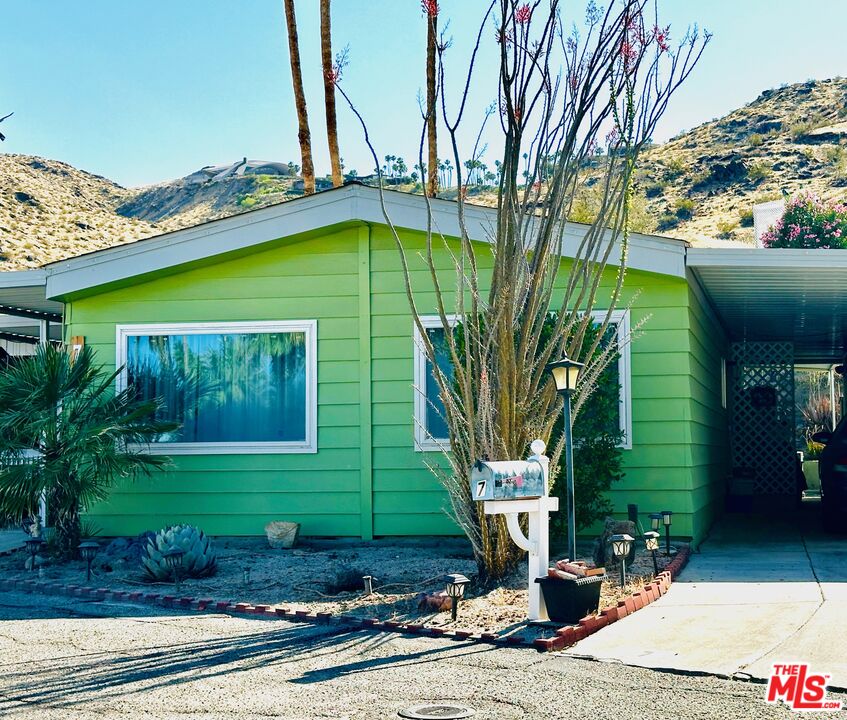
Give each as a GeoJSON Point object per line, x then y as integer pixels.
{"type": "Point", "coordinates": [432, 169]}
{"type": "Point", "coordinates": [329, 94]}
{"type": "Point", "coordinates": [303, 134]}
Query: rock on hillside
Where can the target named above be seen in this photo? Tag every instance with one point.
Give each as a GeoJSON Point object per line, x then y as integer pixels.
{"type": "Point", "coordinates": [702, 184]}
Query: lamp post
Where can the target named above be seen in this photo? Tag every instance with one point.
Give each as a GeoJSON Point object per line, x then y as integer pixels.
{"type": "Point", "coordinates": [565, 374]}
{"type": "Point", "coordinates": [666, 519]}
{"type": "Point", "coordinates": [33, 545]}
{"type": "Point", "coordinates": [655, 521]}
{"type": "Point", "coordinates": [651, 540]}
{"type": "Point", "coordinates": [620, 549]}
{"type": "Point", "coordinates": [455, 591]}
{"type": "Point", "coordinates": [87, 551]}
{"type": "Point", "coordinates": [173, 559]}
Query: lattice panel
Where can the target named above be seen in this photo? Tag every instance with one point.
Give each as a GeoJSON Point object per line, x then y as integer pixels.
{"type": "Point", "coordinates": [763, 415]}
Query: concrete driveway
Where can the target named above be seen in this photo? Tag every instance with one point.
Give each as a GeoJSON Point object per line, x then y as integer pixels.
{"type": "Point", "coordinates": [64, 658]}
{"type": "Point", "coordinates": [760, 591]}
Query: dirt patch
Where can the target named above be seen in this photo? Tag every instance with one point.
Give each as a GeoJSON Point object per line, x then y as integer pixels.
{"type": "Point", "coordinates": [250, 571]}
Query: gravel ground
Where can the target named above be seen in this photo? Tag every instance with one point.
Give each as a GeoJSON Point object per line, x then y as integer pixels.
{"type": "Point", "coordinates": [299, 578]}
{"type": "Point", "coordinates": [61, 659]}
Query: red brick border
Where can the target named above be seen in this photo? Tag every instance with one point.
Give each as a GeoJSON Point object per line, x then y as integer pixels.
{"type": "Point", "coordinates": [590, 624]}
{"type": "Point", "coordinates": [563, 638]}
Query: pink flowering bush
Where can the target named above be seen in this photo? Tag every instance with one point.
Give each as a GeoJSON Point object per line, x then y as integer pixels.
{"type": "Point", "coordinates": [809, 222]}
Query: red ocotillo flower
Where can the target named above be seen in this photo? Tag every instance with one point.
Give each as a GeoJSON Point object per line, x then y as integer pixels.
{"type": "Point", "coordinates": [430, 7]}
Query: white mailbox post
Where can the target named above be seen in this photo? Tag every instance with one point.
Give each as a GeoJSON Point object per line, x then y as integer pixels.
{"type": "Point", "coordinates": [537, 544]}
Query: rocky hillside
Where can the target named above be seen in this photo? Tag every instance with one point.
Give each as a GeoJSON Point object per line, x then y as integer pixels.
{"type": "Point", "coordinates": [700, 186]}
{"type": "Point", "coordinates": [49, 210]}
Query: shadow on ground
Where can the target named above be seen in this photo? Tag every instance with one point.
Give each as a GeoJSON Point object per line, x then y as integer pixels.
{"type": "Point", "coordinates": [67, 681]}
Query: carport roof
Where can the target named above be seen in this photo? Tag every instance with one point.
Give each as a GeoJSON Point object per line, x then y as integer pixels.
{"type": "Point", "coordinates": [779, 294]}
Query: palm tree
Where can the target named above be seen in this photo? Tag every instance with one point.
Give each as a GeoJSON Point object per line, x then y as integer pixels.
{"type": "Point", "coordinates": [430, 8]}
{"type": "Point", "coordinates": [448, 166]}
{"type": "Point", "coordinates": [303, 134]}
{"type": "Point", "coordinates": [330, 78]}
{"type": "Point", "coordinates": [87, 437]}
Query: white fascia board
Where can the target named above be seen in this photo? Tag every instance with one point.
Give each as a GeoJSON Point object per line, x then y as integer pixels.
{"type": "Point", "coordinates": [197, 243]}
{"type": "Point", "coordinates": [346, 204]}
{"type": "Point", "coordinates": [766, 258]}
{"type": "Point", "coordinates": [23, 278]}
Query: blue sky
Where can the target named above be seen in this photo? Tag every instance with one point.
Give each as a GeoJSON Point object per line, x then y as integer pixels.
{"type": "Point", "coordinates": [145, 91]}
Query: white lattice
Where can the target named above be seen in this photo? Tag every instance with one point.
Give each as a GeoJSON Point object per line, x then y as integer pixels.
{"type": "Point", "coordinates": [763, 415]}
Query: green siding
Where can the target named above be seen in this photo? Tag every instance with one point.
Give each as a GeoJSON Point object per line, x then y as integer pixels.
{"type": "Point", "coordinates": [328, 492]}
{"type": "Point", "coordinates": [709, 436]}
{"type": "Point", "coordinates": [366, 478]}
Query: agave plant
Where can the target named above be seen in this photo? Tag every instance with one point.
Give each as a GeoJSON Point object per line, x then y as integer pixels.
{"type": "Point", "coordinates": [200, 558]}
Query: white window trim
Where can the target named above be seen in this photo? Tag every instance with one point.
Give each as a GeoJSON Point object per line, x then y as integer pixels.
{"type": "Point", "coordinates": [620, 318]}
{"type": "Point", "coordinates": [424, 442]}
{"type": "Point", "coordinates": [309, 327]}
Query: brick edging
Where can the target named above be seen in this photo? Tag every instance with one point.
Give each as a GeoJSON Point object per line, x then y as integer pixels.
{"type": "Point", "coordinates": [564, 636]}
{"type": "Point", "coordinates": [590, 624]}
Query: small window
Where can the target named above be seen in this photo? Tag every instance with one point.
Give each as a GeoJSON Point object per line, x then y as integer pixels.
{"type": "Point", "coordinates": [232, 387]}
{"type": "Point", "coordinates": [620, 370]}
{"type": "Point", "coordinates": [430, 426]}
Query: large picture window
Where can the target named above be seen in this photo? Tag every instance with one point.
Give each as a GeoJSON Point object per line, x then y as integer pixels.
{"type": "Point", "coordinates": [231, 387]}
{"type": "Point", "coordinates": [430, 428]}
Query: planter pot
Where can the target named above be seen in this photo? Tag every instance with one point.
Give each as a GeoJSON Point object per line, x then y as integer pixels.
{"type": "Point", "coordinates": [568, 601]}
{"type": "Point", "coordinates": [282, 535]}
{"type": "Point", "coordinates": [811, 471]}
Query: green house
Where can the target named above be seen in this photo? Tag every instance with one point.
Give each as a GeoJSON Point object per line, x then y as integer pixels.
{"type": "Point", "coordinates": [294, 320]}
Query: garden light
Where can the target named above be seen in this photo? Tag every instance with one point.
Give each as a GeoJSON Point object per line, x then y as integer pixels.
{"type": "Point", "coordinates": [620, 549]}
{"type": "Point", "coordinates": [33, 545]}
{"type": "Point", "coordinates": [651, 540]}
{"type": "Point", "coordinates": [565, 374]}
{"type": "Point", "coordinates": [173, 558]}
{"type": "Point", "coordinates": [655, 519]}
{"type": "Point", "coordinates": [455, 590]}
{"type": "Point", "coordinates": [88, 550]}
{"type": "Point", "coordinates": [666, 518]}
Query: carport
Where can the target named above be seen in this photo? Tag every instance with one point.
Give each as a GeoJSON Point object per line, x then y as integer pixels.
{"type": "Point", "coordinates": [779, 308]}
{"type": "Point", "coordinates": [27, 317]}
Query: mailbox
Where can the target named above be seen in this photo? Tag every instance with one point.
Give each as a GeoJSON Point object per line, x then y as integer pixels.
{"type": "Point", "coordinates": [508, 480]}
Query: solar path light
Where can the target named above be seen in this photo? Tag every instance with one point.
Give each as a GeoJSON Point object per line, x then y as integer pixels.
{"type": "Point", "coordinates": [620, 549]}
{"type": "Point", "coordinates": [88, 550]}
{"type": "Point", "coordinates": [455, 591]}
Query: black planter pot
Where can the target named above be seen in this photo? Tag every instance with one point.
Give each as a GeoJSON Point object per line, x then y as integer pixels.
{"type": "Point", "coordinates": [569, 601]}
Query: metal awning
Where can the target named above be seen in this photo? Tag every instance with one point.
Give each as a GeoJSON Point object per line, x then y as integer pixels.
{"type": "Point", "coordinates": [24, 306]}
{"type": "Point", "coordinates": [779, 294]}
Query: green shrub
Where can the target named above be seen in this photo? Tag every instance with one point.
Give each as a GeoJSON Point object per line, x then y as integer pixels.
{"type": "Point", "coordinates": [809, 222]}
{"type": "Point", "coordinates": [597, 454]}
{"type": "Point", "coordinates": [746, 218]}
{"type": "Point", "coordinates": [655, 189]}
{"type": "Point", "coordinates": [756, 139]}
{"type": "Point", "coordinates": [800, 129]}
{"type": "Point", "coordinates": [759, 171]}
{"type": "Point", "coordinates": [674, 167]}
{"type": "Point", "coordinates": [666, 221]}
{"type": "Point", "coordinates": [726, 229]}
{"type": "Point", "coordinates": [684, 208]}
